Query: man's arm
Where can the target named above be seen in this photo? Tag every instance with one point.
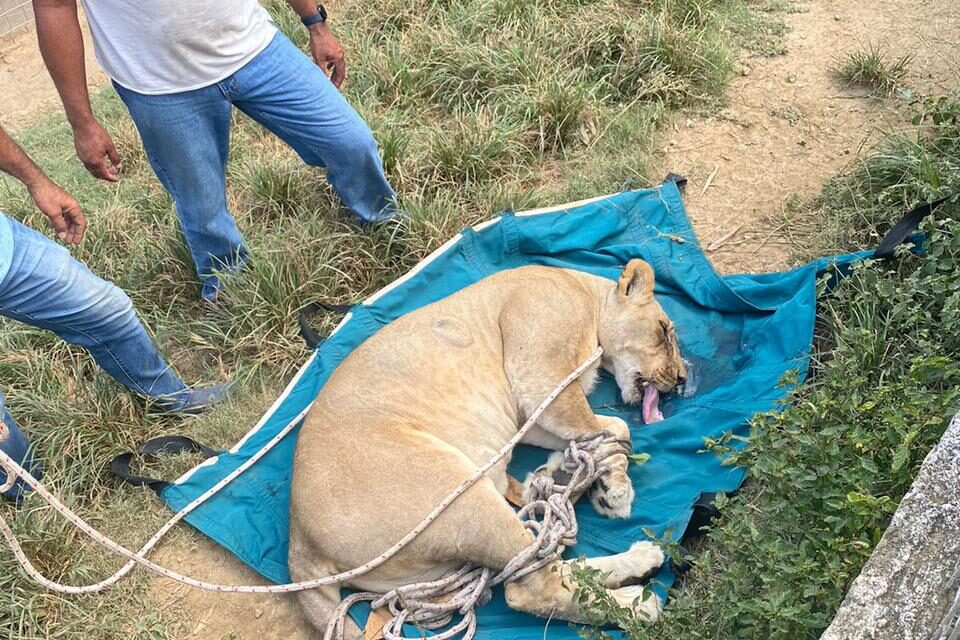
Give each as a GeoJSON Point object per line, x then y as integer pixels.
{"type": "Point", "coordinates": [326, 50]}
{"type": "Point", "coordinates": [60, 208]}
{"type": "Point", "coordinates": [61, 44]}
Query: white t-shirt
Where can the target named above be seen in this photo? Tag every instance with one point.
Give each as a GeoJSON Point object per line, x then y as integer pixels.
{"type": "Point", "coordinates": [168, 46]}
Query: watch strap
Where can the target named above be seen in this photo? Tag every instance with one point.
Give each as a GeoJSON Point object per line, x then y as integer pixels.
{"type": "Point", "coordinates": [319, 16]}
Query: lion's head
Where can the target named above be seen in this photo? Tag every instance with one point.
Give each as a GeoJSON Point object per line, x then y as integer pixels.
{"type": "Point", "coordinates": [639, 342]}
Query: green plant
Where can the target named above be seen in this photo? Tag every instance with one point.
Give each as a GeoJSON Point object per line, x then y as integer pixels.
{"type": "Point", "coordinates": [871, 68]}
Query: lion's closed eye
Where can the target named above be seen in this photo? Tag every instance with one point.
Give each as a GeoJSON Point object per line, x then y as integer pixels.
{"type": "Point", "coordinates": [666, 333]}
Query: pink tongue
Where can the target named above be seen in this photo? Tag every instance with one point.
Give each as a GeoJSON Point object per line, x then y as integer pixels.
{"type": "Point", "coordinates": [651, 408]}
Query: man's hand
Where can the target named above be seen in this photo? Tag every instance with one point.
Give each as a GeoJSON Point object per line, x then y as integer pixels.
{"type": "Point", "coordinates": [327, 53]}
{"type": "Point", "coordinates": [96, 151]}
{"type": "Point", "coordinates": [55, 203]}
{"type": "Point", "coordinates": [61, 209]}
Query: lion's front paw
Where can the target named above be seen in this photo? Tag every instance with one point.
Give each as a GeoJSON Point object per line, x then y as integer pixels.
{"type": "Point", "coordinates": [641, 601]}
{"type": "Point", "coordinates": [642, 559]}
{"type": "Point", "coordinates": [612, 494]}
{"type": "Point", "coordinates": [551, 469]}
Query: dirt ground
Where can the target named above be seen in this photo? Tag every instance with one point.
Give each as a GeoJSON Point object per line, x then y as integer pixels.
{"type": "Point", "coordinates": [788, 126]}
{"type": "Point", "coordinates": [213, 616]}
{"type": "Point", "coordinates": [26, 90]}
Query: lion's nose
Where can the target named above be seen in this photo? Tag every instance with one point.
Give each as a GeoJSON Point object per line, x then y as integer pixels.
{"type": "Point", "coordinates": [680, 380]}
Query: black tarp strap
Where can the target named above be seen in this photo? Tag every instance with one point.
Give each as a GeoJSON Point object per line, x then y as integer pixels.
{"type": "Point", "coordinates": [311, 337]}
{"type": "Point", "coordinates": [120, 465]}
{"type": "Point", "coordinates": [907, 224]}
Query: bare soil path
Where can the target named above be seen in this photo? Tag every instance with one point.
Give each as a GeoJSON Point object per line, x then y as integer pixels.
{"type": "Point", "coordinates": [218, 616]}
{"type": "Point", "coordinates": [26, 90]}
{"type": "Point", "coordinates": [788, 126]}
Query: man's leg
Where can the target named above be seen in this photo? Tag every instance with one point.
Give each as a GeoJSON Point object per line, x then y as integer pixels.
{"type": "Point", "coordinates": [186, 137]}
{"type": "Point", "coordinates": [47, 288]}
{"type": "Point", "coordinates": [14, 444]}
{"type": "Point", "coordinates": [288, 94]}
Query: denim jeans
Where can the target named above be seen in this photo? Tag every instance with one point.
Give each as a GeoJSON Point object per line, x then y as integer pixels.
{"type": "Point", "coordinates": [47, 288]}
{"type": "Point", "coordinates": [15, 445]}
{"type": "Point", "coordinates": [186, 138]}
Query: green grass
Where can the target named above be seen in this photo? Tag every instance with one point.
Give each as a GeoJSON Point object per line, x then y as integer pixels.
{"type": "Point", "coordinates": [479, 106]}
{"type": "Point", "coordinates": [827, 472]}
{"type": "Point", "coordinates": [873, 68]}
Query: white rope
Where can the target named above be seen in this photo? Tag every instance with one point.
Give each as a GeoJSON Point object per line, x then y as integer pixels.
{"type": "Point", "coordinates": [549, 516]}
{"type": "Point", "coordinates": [14, 470]}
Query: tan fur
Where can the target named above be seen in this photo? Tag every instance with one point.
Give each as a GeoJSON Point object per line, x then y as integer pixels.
{"type": "Point", "coordinates": [420, 405]}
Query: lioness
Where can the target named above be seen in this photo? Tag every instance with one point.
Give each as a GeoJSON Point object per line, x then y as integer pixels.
{"type": "Point", "coordinates": [421, 404]}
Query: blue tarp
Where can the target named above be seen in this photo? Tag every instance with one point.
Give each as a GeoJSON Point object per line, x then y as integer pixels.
{"type": "Point", "coordinates": [741, 334]}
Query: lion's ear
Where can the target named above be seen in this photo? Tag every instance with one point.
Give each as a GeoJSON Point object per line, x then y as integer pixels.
{"type": "Point", "coordinates": [636, 282]}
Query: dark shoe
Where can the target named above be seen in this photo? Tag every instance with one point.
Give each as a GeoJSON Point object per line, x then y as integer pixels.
{"type": "Point", "coordinates": [193, 401]}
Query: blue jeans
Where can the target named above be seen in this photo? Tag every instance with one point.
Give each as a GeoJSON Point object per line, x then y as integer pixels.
{"type": "Point", "coordinates": [47, 288]}
{"type": "Point", "coordinates": [186, 137]}
{"type": "Point", "coordinates": [15, 445]}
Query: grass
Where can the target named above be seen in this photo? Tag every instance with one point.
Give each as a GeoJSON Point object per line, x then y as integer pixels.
{"type": "Point", "coordinates": [872, 68]}
{"type": "Point", "coordinates": [479, 106]}
{"type": "Point", "coordinates": [760, 28]}
{"type": "Point", "coordinates": [828, 471]}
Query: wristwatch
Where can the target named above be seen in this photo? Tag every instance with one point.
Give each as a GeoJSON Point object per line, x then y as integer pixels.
{"type": "Point", "coordinates": [319, 16]}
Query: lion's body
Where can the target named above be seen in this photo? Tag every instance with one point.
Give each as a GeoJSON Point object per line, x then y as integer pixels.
{"type": "Point", "coordinates": [420, 405]}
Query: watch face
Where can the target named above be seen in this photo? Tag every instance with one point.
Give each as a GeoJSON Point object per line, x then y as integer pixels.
{"type": "Point", "coordinates": [322, 11]}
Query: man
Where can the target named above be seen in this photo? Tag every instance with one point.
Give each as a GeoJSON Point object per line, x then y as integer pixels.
{"type": "Point", "coordinates": [179, 66]}
{"type": "Point", "coordinates": [42, 285]}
